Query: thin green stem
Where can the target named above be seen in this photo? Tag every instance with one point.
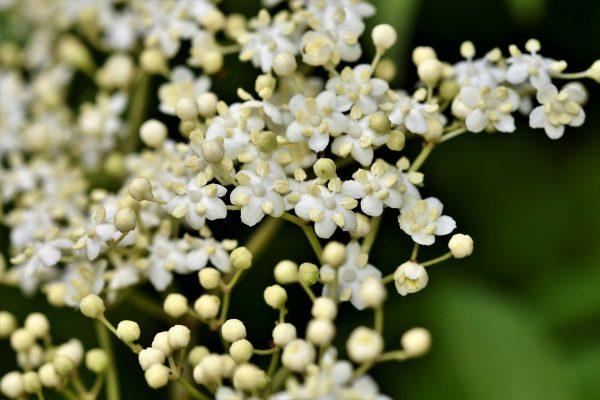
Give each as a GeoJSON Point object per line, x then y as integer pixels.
{"type": "Point", "coordinates": [136, 348]}
{"type": "Point", "coordinates": [308, 291]}
{"type": "Point", "coordinates": [370, 238]}
{"type": "Point", "coordinates": [572, 75]}
{"type": "Point", "coordinates": [112, 381]}
{"type": "Point", "coordinates": [95, 391]}
{"type": "Point", "coordinates": [68, 394]}
{"type": "Point", "coordinates": [261, 237]}
{"type": "Point", "coordinates": [136, 112]}
{"type": "Point", "coordinates": [437, 260]}
{"type": "Point", "coordinates": [453, 134]}
{"type": "Point", "coordinates": [192, 391]}
{"type": "Point", "coordinates": [379, 319]}
{"type": "Point", "coordinates": [278, 379]}
{"type": "Point", "coordinates": [415, 252]}
{"type": "Point", "coordinates": [360, 371]}
{"type": "Point", "coordinates": [397, 355]}
{"type": "Point", "coordinates": [309, 232]}
{"type": "Point", "coordinates": [274, 362]}
{"type": "Point", "coordinates": [422, 157]}
{"type": "Point", "coordinates": [388, 279]}
{"type": "Point", "coordinates": [265, 352]}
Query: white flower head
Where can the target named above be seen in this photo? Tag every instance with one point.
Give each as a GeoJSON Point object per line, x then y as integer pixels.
{"type": "Point", "coordinates": [558, 109]}
{"type": "Point", "coordinates": [358, 141]}
{"type": "Point", "coordinates": [532, 68]}
{"type": "Point", "coordinates": [356, 89]}
{"type": "Point", "coordinates": [410, 277]}
{"type": "Point", "coordinates": [182, 84]}
{"type": "Point", "coordinates": [415, 116]}
{"type": "Point", "coordinates": [423, 220]}
{"type": "Point", "coordinates": [485, 107]}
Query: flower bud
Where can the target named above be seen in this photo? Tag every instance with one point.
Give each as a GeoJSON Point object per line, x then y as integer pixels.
{"type": "Point", "coordinates": [324, 307]}
{"type": "Point", "coordinates": [48, 375]}
{"type": "Point", "coordinates": [197, 354]}
{"type": "Point", "coordinates": [207, 306]}
{"type": "Point", "coordinates": [410, 277]}
{"type": "Point", "coordinates": [283, 334]}
{"type": "Point", "coordinates": [207, 104]}
{"type": "Point", "coordinates": [116, 73]}
{"type": "Point", "coordinates": [212, 366]}
{"type": "Point", "coordinates": [212, 62]}
{"type": "Point", "coordinates": [325, 168]}
{"type": "Point", "coordinates": [241, 258]}
{"type": "Point", "coordinates": [364, 345]}
{"type": "Point", "coordinates": [286, 272]}
{"type": "Point", "coordinates": [298, 355]}
{"type": "Point", "coordinates": [153, 61]}
{"type": "Point", "coordinates": [141, 189]}
{"type": "Point", "coordinates": [386, 69]}
{"type": "Point", "coordinates": [593, 72]}
{"type": "Point", "coordinates": [275, 296]}
{"type": "Point", "coordinates": [161, 342]}
{"type": "Point", "coordinates": [73, 349]}
{"type": "Point", "coordinates": [96, 360]}
{"type": "Point", "coordinates": [449, 89]}
{"type": "Point", "coordinates": [320, 331]}
{"type": "Point", "coordinates": [372, 292]}
{"type": "Point", "coordinates": [149, 357]}
{"type": "Point", "coordinates": [249, 378]}
{"type": "Point", "coordinates": [233, 329]}
{"type": "Point", "coordinates": [380, 123]}
{"type": "Point", "coordinates": [384, 36]}
{"type": "Point", "coordinates": [186, 109]}
{"type": "Point", "coordinates": [37, 324]}
{"type": "Point", "coordinates": [8, 324]}
{"type": "Point", "coordinates": [423, 53]}
{"type": "Point", "coordinates": [265, 85]}
{"type": "Point", "coordinates": [11, 385]}
{"type": "Point", "coordinates": [125, 220]}
{"type": "Point", "coordinates": [175, 305]}
{"type": "Point", "coordinates": [92, 306]}
{"type": "Point", "coordinates": [55, 294]}
{"type": "Point", "coordinates": [21, 340]}
{"type": "Point", "coordinates": [73, 52]}
{"type": "Point", "coordinates": [467, 49]}
{"type": "Point", "coordinates": [213, 151]}
{"type": "Point", "coordinates": [396, 140]}
{"type": "Point", "coordinates": [241, 351]}
{"type": "Point", "coordinates": [430, 71]}
{"type": "Point", "coordinates": [461, 245]}
{"type": "Point", "coordinates": [153, 133]}
{"type": "Point", "coordinates": [209, 278]}
{"type": "Point", "coordinates": [157, 376]}
{"type": "Point", "coordinates": [31, 382]}
{"type": "Point", "coordinates": [128, 331]}
{"type": "Point", "coordinates": [179, 337]}
{"type": "Point", "coordinates": [308, 274]}
{"type": "Point", "coordinates": [416, 342]}
{"type": "Point", "coordinates": [63, 365]}
{"type": "Point", "coordinates": [334, 254]}
{"type": "Point", "coordinates": [265, 141]}
{"type": "Point", "coordinates": [284, 63]}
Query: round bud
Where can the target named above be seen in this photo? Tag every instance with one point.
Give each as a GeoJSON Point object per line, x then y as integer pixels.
{"type": "Point", "coordinates": [396, 140]}
{"type": "Point", "coordinates": [423, 53]}
{"type": "Point", "coordinates": [384, 36]}
{"type": "Point", "coordinates": [11, 385]}
{"type": "Point", "coordinates": [157, 376]}
{"type": "Point", "coordinates": [320, 331]}
{"type": "Point", "coordinates": [96, 360]}
{"type": "Point", "coordinates": [364, 345]}
{"type": "Point", "coordinates": [116, 73]}
{"type": "Point", "coordinates": [283, 334]}
{"type": "Point", "coordinates": [324, 307]}
{"type": "Point", "coordinates": [125, 219]}
{"type": "Point", "coordinates": [153, 133]}
{"type": "Point", "coordinates": [207, 104]}
{"type": "Point", "coordinates": [298, 355]}
{"type": "Point", "coordinates": [275, 296]}
{"type": "Point", "coordinates": [380, 123]}
{"type": "Point", "coordinates": [128, 331]}
{"type": "Point", "coordinates": [37, 324]}
{"type": "Point", "coordinates": [153, 61]}
{"type": "Point", "coordinates": [63, 365]}
{"type": "Point", "coordinates": [212, 365]}
{"type": "Point", "coordinates": [325, 168]}
{"type": "Point", "coordinates": [249, 377]}
{"type": "Point", "coordinates": [334, 254]}
{"type": "Point", "coordinates": [265, 141]}
{"type": "Point", "coordinates": [533, 46]}
{"type": "Point", "coordinates": [241, 350]}
{"type": "Point", "coordinates": [179, 337]}
{"type": "Point", "coordinates": [49, 376]}
{"type": "Point", "coordinates": [21, 340]}
{"type": "Point", "coordinates": [207, 306]}
{"type": "Point", "coordinates": [467, 50]}
{"type": "Point", "coordinates": [197, 354]}
{"type": "Point", "coordinates": [593, 72]}
{"type": "Point", "coordinates": [372, 292]}
{"type": "Point", "coordinates": [73, 52]}
{"type": "Point", "coordinates": [285, 272]}
{"type": "Point", "coordinates": [265, 85]}
{"type": "Point", "coordinates": [233, 329]}
{"type": "Point", "coordinates": [461, 245]}
{"type": "Point", "coordinates": [8, 324]}
{"type": "Point", "coordinates": [213, 151]}
{"type": "Point", "coordinates": [92, 306]}
{"type": "Point", "coordinates": [186, 109]}
{"type": "Point", "coordinates": [449, 89]}
{"type": "Point", "coordinates": [31, 382]}
{"type": "Point", "coordinates": [149, 357]}
{"type": "Point", "coordinates": [175, 305]}
{"type": "Point", "coordinates": [284, 63]}
{"type": "Point", "coordinates": [141, 189]}
{"type": "Point", "coordinates": [308, 274]}
{"type": "Point", "coordinates": [430, 71]}
{"type": "Point", "coordinates": [212, 62]}
{"type": "Point", "coordinates": [416, 342]}
{"type": "Point", "coordinates": [209, 278]}
{"type": "Point", "coordinates": [161, 342]}
{"type": "Point", "coordinates": [241, 258]}
{"type": "Point", "coordinates": [72, 349]}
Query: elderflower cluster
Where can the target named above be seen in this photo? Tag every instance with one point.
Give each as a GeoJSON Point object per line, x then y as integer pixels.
{"type": "Point", "coordinates": [103, 194]}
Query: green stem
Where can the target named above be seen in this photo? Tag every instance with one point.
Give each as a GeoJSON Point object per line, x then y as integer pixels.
{"type": "Point", "coordinates": [266, 352]}
{"type": "Point", "coordinates": [453, 134]}
{"type": "Point", "coordinates": [192, 391]}
{"type": "Point", "coordinates": [422, 157]}
{"type": "Point", "coordinates": [309, 232]}
{"type": "Point", "coordinates": [136, 111]}
{"type": "Point", "coordinates": [379, 319]}
{"type": "Point", "coordinates": [308, 291]}
{"type": "Point", "coordinates": [387, 279]}
{"type": "Point", "coordinates": [360, 371]}
{"type": "Point", "coordinates": [370, 238]}
{"type": "Point", "coordinates": [112, 384]}
{"type": "Point", "coordinates": [415, 252]}
{"type": "Point", "coordinates": [278, 379]}
{"type": "Point", "coordinates": [274, 362]}
{"type": "Point", "coordinates": [437, 260]}
{"type": "Point", "coordinates": [261, 237]}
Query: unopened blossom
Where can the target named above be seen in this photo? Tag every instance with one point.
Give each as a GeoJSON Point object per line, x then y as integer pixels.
{"type": "Point", "coordinates": [557, 110]}
{"type": "Point", "coordinates": [485, 107]}
{"type": "Point", "coordinates": [351, 275]}
{"type": "Point", "coordinates": [356, 89]}
{"type": "Point", "coordinates": [197, 202]}
{"type": "Point", "coordinates": [410, 277]}
{"type": "Point", "coordinates": [257, 196]}
{"type": "Point", "coordinates": [423, 220]}
{"type": "Point", "coordinates": [329, 208]}
{"type": "Point", "coordinates": [182, 84]}
{"type": "Point", "coordinates": [315, 119]}
{"type": "Point", "coordinates": [358, 141]}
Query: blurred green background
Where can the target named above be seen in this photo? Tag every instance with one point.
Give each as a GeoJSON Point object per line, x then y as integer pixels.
{"type": "Point", "coordinates": [520, 319]}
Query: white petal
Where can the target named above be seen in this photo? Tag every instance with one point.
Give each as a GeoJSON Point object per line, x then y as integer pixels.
{"type": "Point", "coordinates": [48, 255]}
{"type": "Point", "coordinates": [476, 121]}
{"type": "Point", "coordinates": [546, 93]}
{"type": "Point", "coordinates": [537, 117]}
{"type": "Point", "coordinates": [325, 228]}
{"type": "Point", "coordinates": [251, 214]}
{"type": "Point", "coordinates": [444, 225]}
{"type": "Point", "coordinates": [505, 124]}
{"type": "Point", "coordinates": [554, 132]}
{"type": "Point", "coordinates": [371, 206]}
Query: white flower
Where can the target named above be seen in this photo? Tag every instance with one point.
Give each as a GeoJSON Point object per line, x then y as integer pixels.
{"type": "Point", "coordinates": [378, 187]}
{"type": "Point", "coordinates": [529, 67]}
{"type": "Point", "coordinates": [415, 116]}
{"type": "Point", "coordinates": [358, 141]}
{"type": "Point", "coordinates": [234, 124]}
{"type": "Point", "coordinates": [99, 230]}
{"type": "Point", "coordinates": [166, 255]}
{"type": "Point", "coordinates": [486, 107]}
{"type": "Point", "coordinates": [102, 118]}
{"type": "Point", "coordinates": [328, 208]}
{"type": "Point", "coordinates": [423, 220]}
{"type": "Point", "coordinates": [204, 250]}
{"type": "Point", "coordinates": [121, 29]}
{"type": "Point", "coordinates": [351, 275]}
{"type": "Point", "coordinates": [357, 89]}
{"type": "Point", "coordinates": [83, 278]}
{"type": "Point", "coordinates": [182, 84]}
{"type": "Point", "coordinates": [228, 393]}
{"type": "Point", "coordinates": [297, 355]}
{"type": "Point", "coordinates": [267, 37]}
{"type": "Point", "coordinates": [197, 202]}
{"type": "Point", "coordinates": [315, 119]}
{"type": "Point", "coordinates": [410, 277]}
{"type": "Point", "coordinates": [557, 110]}
{"type": "Point", "coordinates": [364, 344]}
{"type": "Point", "coordinates": [40, 261]}
{"type": "Point", "coordinates": [478, 73]}
{"type": "Point", "coordinates": [257, 195]}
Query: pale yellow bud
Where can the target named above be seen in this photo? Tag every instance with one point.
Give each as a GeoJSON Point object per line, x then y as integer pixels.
{"type": "Point", "coordinates": [384, 36]}
{"type": "Point", "coordinates": [430, 71]}
{"type": "Point", "coordinates": [153, 61]}
{"type": "Point", "coordinates": [92, 306]}
{"type": "Point", "coordinates": [125, 220]}
{"type": "Point", "coordinates": [286, 272]}
{"type": "Point", "coordinates": [423, 53]}
{"type": "Point", "coordinates": [334, 254]}
{"type": "Point", "coordinates": [325, 168]}
{"type": "Point", "coordinates": [175, 305]}
{"type": "Point", "coordinates": [275, 296]}
{"type": "Point", "coordinates": [284, 63]}
{"type": "Point", "coordinates": [209, 278]}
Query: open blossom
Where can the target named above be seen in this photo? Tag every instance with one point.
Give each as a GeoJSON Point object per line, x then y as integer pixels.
{"type": "Point", "coordinates": [197, 202]}
{"type": "Point", "coordinates": [410, 277]}
{"type": "Point", "coordinates": [182, 84]}
{"type": "Point", "coordinates": [423, 220]}
{"type": "Point", "coordinates": [166, 255]}
{"type": "Point", "coordinates": [478, 73]}
{"type": "Point", "coordinates": [315, 119]}
{"type": "Point", "coordinates": [257, 195]}
{"type": "Point", "coordinates": [530, 67]}
{"type": "Point", "coordinates": [208, 249]}
{"type": "Point", "coordinates": [358, 141]}
{"type": "Point", "coordinates": [558, 109]}
{"type": "Point", "coordinates": [484, 107]}
{"type": "Point", "coordinates": [97, 232]}
{"type": "Point", "coordinates": [39, 260]}
{"type": "Point", "coordinates": [356, 89]}
{"type": "Point", "coordinates": [415, 116]}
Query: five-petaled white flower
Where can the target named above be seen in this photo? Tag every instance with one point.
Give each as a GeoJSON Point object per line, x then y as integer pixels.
{"type": "Point", "coordinates": [485, 108]}
{"type": "Point", "coordinates": [182, 84]}
{"type": "Point", "coordinates": [557, 110]}
{"type": "Point", "coordinates": [423, 220]}
{"type": "Point", "coordinates": [356, 89]}
{"type": "Point", "coordinates": [358, 141]}
{"type": "Point", "coordinates": [258, 195]}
